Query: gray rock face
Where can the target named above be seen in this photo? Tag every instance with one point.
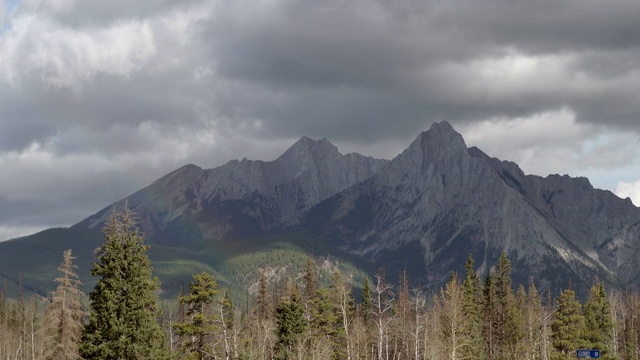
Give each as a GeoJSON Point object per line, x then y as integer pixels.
{"type": "Point", "coordinates": [439, 201]}
{"type": "Point", "coordinates": [245, 196]}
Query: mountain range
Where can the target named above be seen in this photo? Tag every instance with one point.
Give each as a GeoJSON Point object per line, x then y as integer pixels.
{"type": "Point", "coordinates": [423, 211]}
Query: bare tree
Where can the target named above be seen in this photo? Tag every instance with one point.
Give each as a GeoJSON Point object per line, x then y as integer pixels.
{"type": "Point", "coordinates": [382, 305]}
{"type": "Point", "coordinates": [64, 313]}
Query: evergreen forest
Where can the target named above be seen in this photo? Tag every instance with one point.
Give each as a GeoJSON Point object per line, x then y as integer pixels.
{"type": "Point", "coordinates": [481, 317]}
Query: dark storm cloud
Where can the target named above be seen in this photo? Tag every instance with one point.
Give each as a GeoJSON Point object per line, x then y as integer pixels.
{"type": "Point", "coordinates": [320, 65]}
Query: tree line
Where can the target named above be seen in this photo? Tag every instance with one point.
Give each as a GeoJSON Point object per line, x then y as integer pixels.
{"type": "Point", "coordinates": [471, 317]}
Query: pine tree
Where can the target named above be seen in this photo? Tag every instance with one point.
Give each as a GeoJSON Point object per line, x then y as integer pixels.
{"type": "Point", "coordinates": [64, 313]}
{"type": "Point", "coordinates": [122, 319]}
{"type": "Point", "coordinates": [472, 292]}
{"type": "Point", "coordinates": [567, 326]}
{"type": "Point", "coordinates": [198, 331]}
{"type": "Point", "coordinates": [366, 314]}
{"type": "Point", "coordinates": [325, 321]}
{"type": "Point", "coordinates": [490, 316]}
{"type": "Point", "coordinates": [598, 321]}
{"type": "Point", "coordinates": [291, 325]}
{"type": "Point", "coordinates": [509, 317]}
{"type": "Point", "coordinates": [367, 301]}
{"type": "Point", "coordinates": [263, 304]}
{"type": "Point", "coordinates": [310, 280]}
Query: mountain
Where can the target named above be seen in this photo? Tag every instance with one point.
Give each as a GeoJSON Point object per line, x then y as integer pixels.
{"type": "Point", "coordinates": [422, 211]}
{"type": "Point", "coordinates": [439, 200]}
{"type": "Point", "coordinates": [242, 198]}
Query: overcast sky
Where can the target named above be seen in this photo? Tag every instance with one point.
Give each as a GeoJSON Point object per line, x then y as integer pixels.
{"type": "Point", "coordinates": [100, 97]}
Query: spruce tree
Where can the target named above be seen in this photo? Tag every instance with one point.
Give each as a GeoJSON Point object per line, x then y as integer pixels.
{"type": "Point", "coordinates": [367, 302]}
{"type": "Point", "coordinates": [598, 321]}
{"type": "Point", "coordinates": [472, 293]}
{"type": "Point", "coordinates": [310, 280]}
{"type": "Point", "coordinates": [263, 305]}
{"type": "Point", "coordinates": [291, 325]}
{"type": "Point", "coordinates": [64, 313]}
{"type": "Point", "coordinates": [509, 316]}
{"type": "Point", "coordinates": [490, 313]}
{"type": "Point", "coordinates": [197, 332]}
{"type": "Point", "coordinates": [122, 319]}
{"type": "Point", "coordinates": [567, 326]}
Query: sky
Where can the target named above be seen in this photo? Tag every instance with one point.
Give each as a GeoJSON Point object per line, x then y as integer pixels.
{"type": "Point", "coordinates": [99, 98]}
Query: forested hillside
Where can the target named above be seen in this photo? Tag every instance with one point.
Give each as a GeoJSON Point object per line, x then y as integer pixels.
{"type": "Point", "coordinates": [475, 316]}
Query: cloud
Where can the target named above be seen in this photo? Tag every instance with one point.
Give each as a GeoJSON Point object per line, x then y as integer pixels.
{"type": "Point", "coordinates": [555, 143]}
{"type": "Point", "coordinates": [630, 190]}
{"type": "Point", "coordinates": [113, 94]}
{"type": "Point", "coordinates": [332, 68]}
{"type": "Point", "coordinates": [3, 15]}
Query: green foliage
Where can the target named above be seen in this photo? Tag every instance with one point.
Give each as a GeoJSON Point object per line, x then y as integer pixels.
{"type": "Point", "coordinates": [310, 279]}
{"type": "Point", "coordinates": [472, 292]}
{"type": "Point", "coordinates": [367, 302]}
{"type": "Point", "coordinates": [198, 330]}
{"type": "Point", "coordinates": [291, 325]}
{"type": "Point", "coordinates": [567, 326]}
{"type": "Point", "coordinates": [598, 321]}
{"type": "Point", "coordinates": [122, 321]}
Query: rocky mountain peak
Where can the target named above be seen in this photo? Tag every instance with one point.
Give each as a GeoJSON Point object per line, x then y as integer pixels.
{"type": "Point", "coordinates": [307, 147]}
{"type": "Point", "coordinates": [440, 140]}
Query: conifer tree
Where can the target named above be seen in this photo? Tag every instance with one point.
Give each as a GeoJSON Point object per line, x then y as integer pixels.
{"type": "Point", "coordinates": [367, 301]}
{"type": "Point", "coordinates": [490, 316]}
{"type": "Point", "coordinates": [567, 326]}
{"type": "Point", "coordinates": [325, 321]}
{"type": "Point", "coordinates": [366, 314]}
{"type": "Point", "coordinates": [262, 298]}
{"type": "Point", "coordinates": [64, 313]}
{"type": "Point", "coordinates": [509, 317]}
{"type": "Point", "coordinates": [291, 325]}
{"type": "Point", "coordinates": [122, 319]}
{"type": "Point", "coordinates": [198, 331]}
{"type": "Point", "coordinates": [472, 307]}
{"type": "Point", "coordinates": [310, 280]}
{"type": "Point", "coordinates": [598, 321]}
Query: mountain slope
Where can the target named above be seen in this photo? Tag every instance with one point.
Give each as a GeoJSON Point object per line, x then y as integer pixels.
{"type": "Point", "coordinates": [438, 201]}
{"type": "Point", "coordinates": [242, 198]}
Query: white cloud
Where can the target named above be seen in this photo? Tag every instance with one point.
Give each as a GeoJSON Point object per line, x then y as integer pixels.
{"type": "Point", "coordinates": [42, 50]}
{"type": "Point", "coordinates": [630, 190]}
{"type": "Point", "coordinates": [555, 143]}
{"type": "Point", "coordinates": [541, 144]}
